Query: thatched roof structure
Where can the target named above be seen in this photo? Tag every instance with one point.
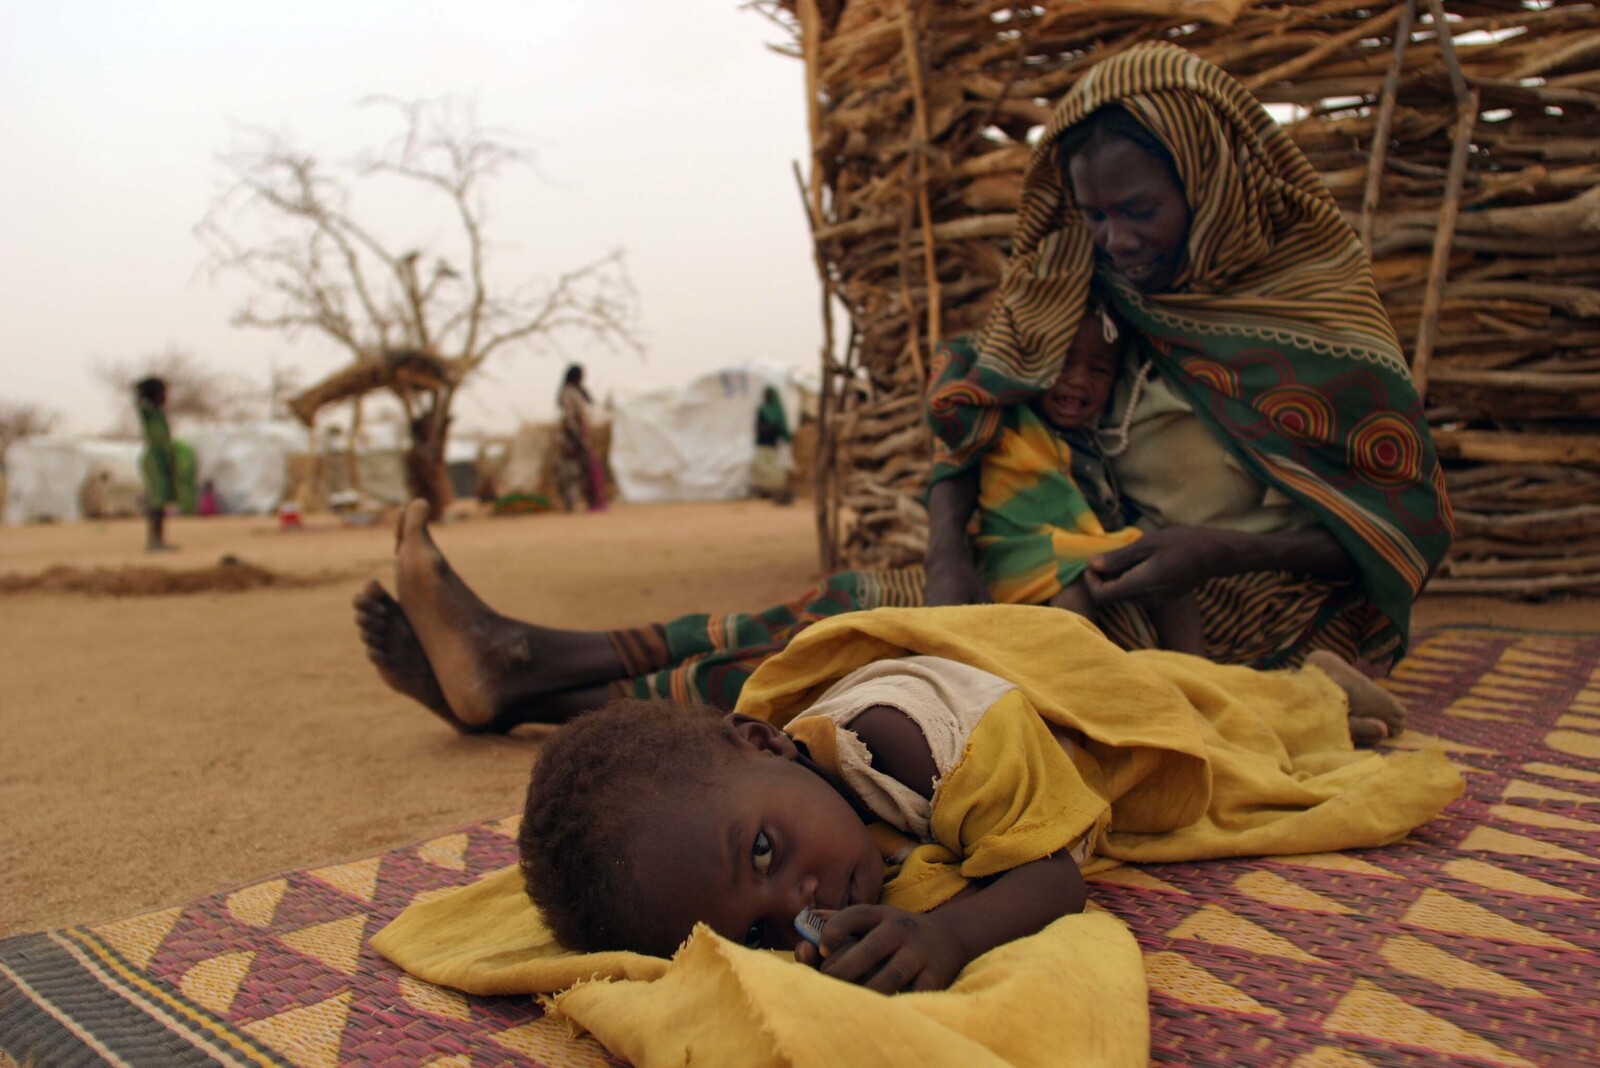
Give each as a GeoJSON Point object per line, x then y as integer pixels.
{"type": "Point", "coordinates": [402, 371]}
{"type": "Point", "coordinates": [1469, 161]}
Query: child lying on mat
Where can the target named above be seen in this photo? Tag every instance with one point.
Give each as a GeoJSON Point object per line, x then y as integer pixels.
{"type": "Point", "coordinates": [934, 810]}
{"type": "Point", "coordinates": [1047, 503]}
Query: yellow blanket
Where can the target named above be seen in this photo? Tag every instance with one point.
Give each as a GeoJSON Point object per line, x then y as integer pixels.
{"type": "Point", "coordinates": [1196, 761]}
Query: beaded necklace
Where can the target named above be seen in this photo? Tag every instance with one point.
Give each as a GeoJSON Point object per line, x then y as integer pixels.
{"type": "Point", "coordinates": [1108, 330]}
{"type": "Point", "coordinates": [1120, 431]}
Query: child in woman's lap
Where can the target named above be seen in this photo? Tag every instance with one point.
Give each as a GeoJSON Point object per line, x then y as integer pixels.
{"type": "Point", "coordinates": [1089, 506]}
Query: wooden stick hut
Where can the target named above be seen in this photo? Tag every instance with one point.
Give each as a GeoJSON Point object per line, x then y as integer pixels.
{"type": "Point", "coordinates": [1461, 137]}
{"type": "Point", "coordinates": [418, 380]}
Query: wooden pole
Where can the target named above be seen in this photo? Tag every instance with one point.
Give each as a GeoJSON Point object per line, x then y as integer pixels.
{"type": "Point", "coordinates": [823, 473]}
{"type": "Point", "coordinates": [1444, 237]}
{"type": "Point", "coordinates": [918, 151]}
{"type": "Point", "coordinates": [1380, 134]}
{"type": "Point", "coordinates": [1447, 49]}
{"type": "Point", "coordinates": [913, 335]}
{"type": "Point", "coordinates": [352, 459]}
{"type": "Point", "coordinates": [810, 46]}
{"type": "Point", "coordinates": [822, 466]}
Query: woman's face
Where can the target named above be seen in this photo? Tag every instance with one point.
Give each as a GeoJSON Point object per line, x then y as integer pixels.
{"type": "Point", "coordinates": [1135, 211]}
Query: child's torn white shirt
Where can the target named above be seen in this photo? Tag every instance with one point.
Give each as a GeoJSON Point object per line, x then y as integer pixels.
{"type": "Point", "coordinates": [944, 698]}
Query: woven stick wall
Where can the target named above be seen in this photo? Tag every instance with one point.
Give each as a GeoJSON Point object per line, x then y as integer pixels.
{"type": "Point", "coordinates": [1469, 161]}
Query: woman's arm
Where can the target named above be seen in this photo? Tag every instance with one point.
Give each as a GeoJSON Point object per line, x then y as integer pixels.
{"type": "Point", "coordinates": [1173, 561]}
{"type": "Point", "coordinates": [1075, 597]}
{"type": "Point", "coordinates": [952, 575]}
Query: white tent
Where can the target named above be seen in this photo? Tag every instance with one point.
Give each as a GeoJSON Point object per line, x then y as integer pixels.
{"type": "Point", "coordinates": [247, 462]}
{"type": "Point", "coordinates": [694, 443]}
{"type": "Point", "coordinates": [45, 476]}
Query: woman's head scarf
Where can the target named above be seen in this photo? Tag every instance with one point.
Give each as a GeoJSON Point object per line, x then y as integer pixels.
{"type": "Point", "coordinates": [1273, 331]}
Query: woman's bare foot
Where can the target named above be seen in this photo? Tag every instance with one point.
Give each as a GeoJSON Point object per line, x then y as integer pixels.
{"type": "Point", "coordinates": [393, 648]}
{"type": "Point", "coordinates": [1375, 713]}
{"type": "Point", "coordinates": [493, 672]}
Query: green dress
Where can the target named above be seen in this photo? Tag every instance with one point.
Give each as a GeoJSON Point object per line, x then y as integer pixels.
{"type": "Point", "coordinates": [166, 465]}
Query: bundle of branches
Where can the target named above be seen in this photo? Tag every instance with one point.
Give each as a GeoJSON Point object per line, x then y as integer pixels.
{"type": "Point", "coordinates": [1462, 138]}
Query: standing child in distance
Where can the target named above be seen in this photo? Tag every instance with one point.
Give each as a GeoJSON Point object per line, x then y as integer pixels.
{"type": "Point", "coordinates": [158, 463]}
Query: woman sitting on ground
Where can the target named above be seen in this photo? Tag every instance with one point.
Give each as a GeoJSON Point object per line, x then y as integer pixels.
{"type": "Point", "coordinates": [1272, 441]}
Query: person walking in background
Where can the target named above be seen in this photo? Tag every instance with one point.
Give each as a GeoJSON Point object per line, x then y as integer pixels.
{"type": "Point", "coordinates": [159, 463]}
{"type": "Point", "coordinates": [578, 472]}
{"type": "Point", "coordinates": [769, 470]}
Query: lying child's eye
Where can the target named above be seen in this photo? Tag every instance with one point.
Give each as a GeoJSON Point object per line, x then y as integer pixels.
{"type": "Point", "coordinates": [761, 853]}
{"type": "Point", "coordinates": [755, 938]}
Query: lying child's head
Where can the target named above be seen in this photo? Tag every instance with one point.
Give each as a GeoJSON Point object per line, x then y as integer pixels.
{"type": "Point", "coordinates": [1083, 388]}
{"type": "Point", "coordinates": [644, 819]}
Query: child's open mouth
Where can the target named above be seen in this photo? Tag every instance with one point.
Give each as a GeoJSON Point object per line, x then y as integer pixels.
{"type": "Point", "coordinates": [1069, 410]}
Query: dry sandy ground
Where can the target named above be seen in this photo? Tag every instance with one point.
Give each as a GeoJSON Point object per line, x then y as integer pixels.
{"type": "Point", "coordinates": [161, 748]}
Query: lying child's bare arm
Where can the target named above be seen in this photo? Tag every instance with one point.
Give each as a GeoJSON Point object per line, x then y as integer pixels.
{"type": "Point", "coordinates": [888, 949]}
{"type": "Point", "coordinates": [897, 746]}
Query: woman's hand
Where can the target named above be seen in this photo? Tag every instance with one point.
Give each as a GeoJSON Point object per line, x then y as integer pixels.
{"type": "Point", "coordinates": [1175, 560]}
{"type": "Point", "coordinates": [887, 950]}
{"type": "Point", "coordinates": [1159, 566]}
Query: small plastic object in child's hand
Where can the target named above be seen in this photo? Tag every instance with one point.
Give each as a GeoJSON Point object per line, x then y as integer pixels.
{"type": "Point", "coordinates": [809, 923]}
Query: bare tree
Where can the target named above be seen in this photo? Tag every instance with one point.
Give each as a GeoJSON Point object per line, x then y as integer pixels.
{"type": "Point", "coordinates": [193, 390]}
{"type": "Point", "coordinates": [417, 321]}
{"type": "Point", "coordinates": [283, 382]}
{"type": "Point", "coordinates": [18, 419]}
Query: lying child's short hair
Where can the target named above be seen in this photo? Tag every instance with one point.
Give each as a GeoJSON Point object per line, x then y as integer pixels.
{"type": "Point", "coordinates": [597, 781]}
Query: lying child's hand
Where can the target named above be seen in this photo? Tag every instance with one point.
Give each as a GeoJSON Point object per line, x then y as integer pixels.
{"type": "Point", "coordinates": [890, 950]}
{"type": "Point", "coordinates": [887, 950]}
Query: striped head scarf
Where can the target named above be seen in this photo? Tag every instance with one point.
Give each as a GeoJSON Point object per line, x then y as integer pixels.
{"type": "Point", "coordinates": [1273, 330]}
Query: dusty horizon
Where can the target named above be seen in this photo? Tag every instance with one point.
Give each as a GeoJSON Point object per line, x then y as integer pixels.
{"type": "Point", "coordinates": [667, 134]}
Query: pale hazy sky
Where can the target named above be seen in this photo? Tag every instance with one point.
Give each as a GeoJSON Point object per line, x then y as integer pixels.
{"type": "Point", "coordinates": [666, 128]}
